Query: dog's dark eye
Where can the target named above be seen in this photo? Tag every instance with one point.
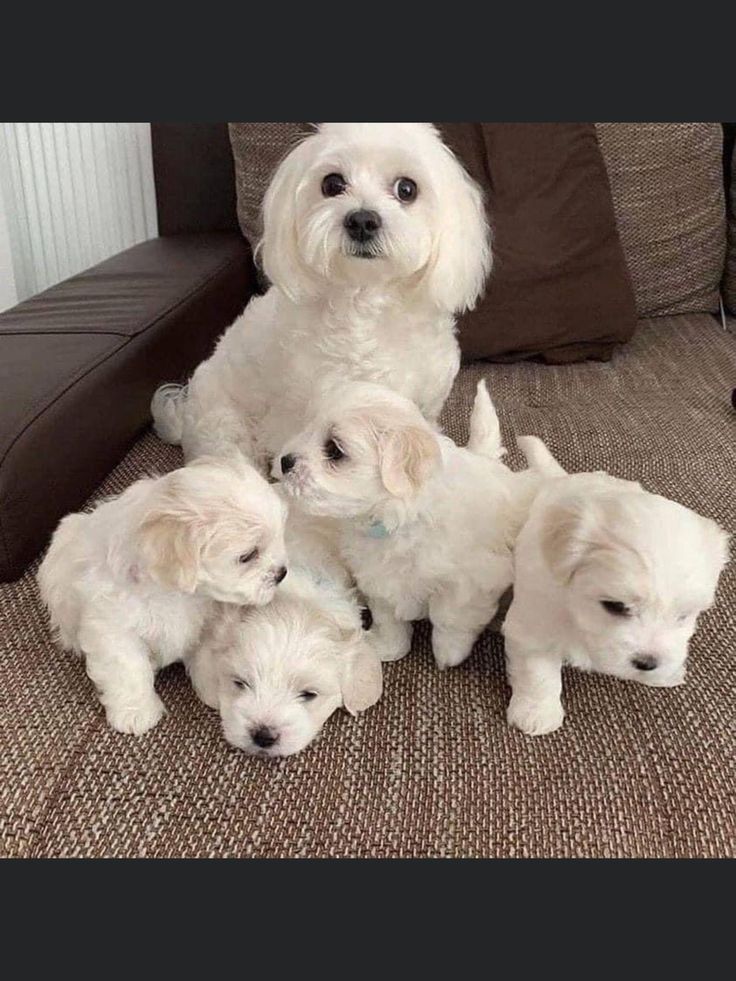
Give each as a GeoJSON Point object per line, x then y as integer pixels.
{"type": "Point", "coordinates": [248, 556]}
{"type": "Point", "coordinates": [405, 189]}
{"type": "Point", "coordinates": [333, 451]}
{"type": "Point", "coordinates": [307, 696]}
{"type": "Point", "coordinates": [239, 683]}
{"type": "Point", "coordinates": [334, 184]}
{"type": "Point", "coordinates": [615, 608]}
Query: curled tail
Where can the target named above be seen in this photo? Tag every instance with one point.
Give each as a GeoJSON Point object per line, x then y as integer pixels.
{"type": "Point", "coordinates": [167, 408]}
{"type": "Point", "coordinates": [485, 430]}
{"type": "Point", "coordinates": [539, 457]}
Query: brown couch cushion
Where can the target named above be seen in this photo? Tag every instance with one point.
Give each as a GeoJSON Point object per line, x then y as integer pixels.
{"type": "Point", "coordinates": [667, 186]}
{"type": "Point", "coordinates": [79, 363]}
{"type": "Point", "coordinates": [559, 288]}
{"type": "Point", "coordinates": [432, 770]}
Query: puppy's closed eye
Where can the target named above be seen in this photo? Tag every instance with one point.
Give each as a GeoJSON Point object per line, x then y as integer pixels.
{"type": "Point", "coordinates": [616, 608]}
{"type": "Point", "coordinates": [307, 696]}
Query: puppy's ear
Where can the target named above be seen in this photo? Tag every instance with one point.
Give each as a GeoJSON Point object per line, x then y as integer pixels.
{"type": "Point", "coordinates": [461, 259]}
{"type": "Point", "coordinates": [169, 550]}
{"type": "Point", "coordinates": [278, 250]}
{"type": "Point", "coordinates": [565, 542]}
{"type": "Point", "coordinates": [409, 455]}
{"type": "Point", "coordinates": [362, 676]}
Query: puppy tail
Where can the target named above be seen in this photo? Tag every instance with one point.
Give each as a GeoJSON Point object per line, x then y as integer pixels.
{"type": "Point", "coordinates": [485, 430]}
{"type": "Point", "coordinates": [167, 409]}
{"type": "Point", "coordinates": [539, 457]}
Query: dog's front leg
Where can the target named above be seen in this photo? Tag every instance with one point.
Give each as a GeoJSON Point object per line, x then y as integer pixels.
{"type": "Point", "coordinates": [390, 638]}
{"type": "Point", "coordinates": [120, 667]}
{"type": "Point", "coordinates": [456, 624]}
{"type": "Point", "coordinates": [536, 686]}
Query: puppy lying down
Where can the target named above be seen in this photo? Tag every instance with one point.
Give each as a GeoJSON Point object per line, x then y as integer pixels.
{"type": "Point", "coordinates": [276, 673]}
{"type": "Point", "coordinates": [131, 585]}
{"type": "Point", "coordinates": [426, 527]}
{"type": "Point", "coordinates": [607, 578]}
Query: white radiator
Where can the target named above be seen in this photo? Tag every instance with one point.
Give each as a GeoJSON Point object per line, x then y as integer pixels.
{"type": "Point", "coordinates": [74, 194]}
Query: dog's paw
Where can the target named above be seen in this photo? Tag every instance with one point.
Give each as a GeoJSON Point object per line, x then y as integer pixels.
{"type": "Point", "coordinates": [391, 645]}
{"type": "Point", "coordinates": [450, 648]}
{"type": "Point", "coordinates": [535, 718]}
{"type": "Point", "coordinates": [134, 720]}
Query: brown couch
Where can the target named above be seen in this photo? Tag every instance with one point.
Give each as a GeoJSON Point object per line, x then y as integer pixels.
{"type": "Point", "coordinates": [432, 770]}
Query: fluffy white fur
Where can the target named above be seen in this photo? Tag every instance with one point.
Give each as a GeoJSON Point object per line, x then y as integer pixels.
{"type": "Point", "coordinates": [427, 527]}
{"type": "Point", "coordinates": [383, 311]}
{"type": "Point", "coordinates": [276, 673]}
{"type": "Point", "coordinates": [607, 578]}
{"type": "Point", "coordinates": [131, 585]}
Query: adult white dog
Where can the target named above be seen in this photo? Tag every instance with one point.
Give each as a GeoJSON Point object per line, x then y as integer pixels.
{"type": "Point", "coordinates": [276, 673]}
{"type": "Point", "coordinates": [375, 238]}
{"type": "Point", "coordinates": [607, 578]}
{"type": "Point", "coordinates": [131, 585]}
{"type": "Point", "coordinates": [426, 527]}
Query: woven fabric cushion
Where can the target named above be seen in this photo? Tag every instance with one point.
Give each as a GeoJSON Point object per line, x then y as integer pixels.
{"type": "Point", "coordinates": [258, 148]}
{"type": "Point", "coordinates": [432, 769]}
{"type": "Point", "coordinates": [560, 288]}
{"type": "Point", "coordinates": [667, 186]}
{"type": "Point", "coordinates": [729, 280]}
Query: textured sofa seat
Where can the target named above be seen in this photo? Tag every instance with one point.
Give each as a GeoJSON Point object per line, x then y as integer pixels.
{"type": "Point", "coordinates": [78, 364]}
{"type": "Point", "coordinates": [432, 770]}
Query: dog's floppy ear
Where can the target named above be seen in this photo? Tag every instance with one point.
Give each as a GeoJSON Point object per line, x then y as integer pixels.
{"type": "Point", "coordinates": [461, 259]}
{"type": "Point", "coordinates": [362, 676]}
{"type": "Point", "coordinates": [169, 549]}
{"type": "Point", "coordinates": [565, 542]}
{"type": "Point", "coordinates": [278, 250]}
{"type": "Point", "coordinates": [408, 456]}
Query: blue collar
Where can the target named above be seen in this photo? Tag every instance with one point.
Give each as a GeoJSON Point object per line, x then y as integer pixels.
{"type": "Point", "coordinates": [377, 529]}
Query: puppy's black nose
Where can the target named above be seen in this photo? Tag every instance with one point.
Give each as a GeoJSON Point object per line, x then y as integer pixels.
{"type": "Point", "coordinates": [287, 462]}
{"type": "Point", "coordinates": [263, 737]}
{"type": "Point", "coordinates": [645, 662]}
{"type": "Point", "coordinates": [281, 574]}
{"type": "Point", "coordinates": [362, 225]}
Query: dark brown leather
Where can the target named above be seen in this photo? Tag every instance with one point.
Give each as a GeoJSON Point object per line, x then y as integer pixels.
{"type": "Point", "coordinates": [77, 374]}
{"type": "Point", "coordinates": [560, 288]}
{"type": "Point", "coordinates": [195, 178]}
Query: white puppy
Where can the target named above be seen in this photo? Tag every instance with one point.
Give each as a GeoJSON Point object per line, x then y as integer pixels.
{"type": "Point", "coordinates": [427, 527]}
{"type": "Point", "coordinates": [131, 585]}
{"type": "Point", "coordinates": [607, 578]}
{"type": "Point", "coordinates": [374, 239]}
{"type": "Point", "coordinates": [276, 673]}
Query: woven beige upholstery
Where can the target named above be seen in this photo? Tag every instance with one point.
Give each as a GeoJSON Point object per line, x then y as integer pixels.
{"type": "Point", "coordinates": [431, 770]}
{"type": "Point", "coordinates": [667, 185]}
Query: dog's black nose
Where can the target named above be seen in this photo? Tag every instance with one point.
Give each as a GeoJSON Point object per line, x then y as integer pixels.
{"type": "Point", "coordinates": [281, 574]}
{"type": "Point", "coordinates": [645, 662]}
{"type": "Point", "coordinates": [264, 738]}
{"type": "Point", "coordinates": [287, 462]}
{"type": "Point", "coordinates": [362, 225]}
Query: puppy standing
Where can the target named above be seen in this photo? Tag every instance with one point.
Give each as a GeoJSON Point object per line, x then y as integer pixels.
{"type": "Point", "coordinates": [427, 527]}
{"type": "Point", "coordinates": [276, 673]}
{"type": "Point", "coordinates": [607, 578]}
{"type": "Point", "coordinates": [131, 585]}
{"type": "Point", "coordinates": [375, 238]}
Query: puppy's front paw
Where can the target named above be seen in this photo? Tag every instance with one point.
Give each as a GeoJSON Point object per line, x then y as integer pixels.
{"type": "Point", "coordinates": [136, 719]}
{"type": "Point", "coordinates": [450, 647]}
{"type": "Point", "coordinates": [535, 718]}
{"type": "Point", "coordinates": [391, 644]}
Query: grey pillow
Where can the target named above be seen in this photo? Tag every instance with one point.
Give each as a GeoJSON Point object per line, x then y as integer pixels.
{"type": "Point", "coordinates": [667, 186]}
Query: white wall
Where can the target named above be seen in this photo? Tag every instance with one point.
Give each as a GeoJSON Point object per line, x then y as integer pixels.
{"type": "Point", "coordinates": [75, 194]}
{"type": "Point", "coordinates": [8, 294]}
